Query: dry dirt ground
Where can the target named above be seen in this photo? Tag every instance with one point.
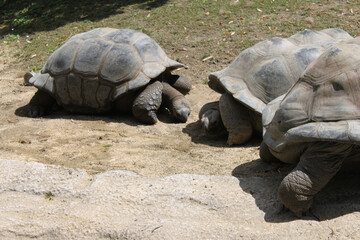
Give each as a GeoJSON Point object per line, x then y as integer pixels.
{"type": "Point", "coordinates": [100, 143]}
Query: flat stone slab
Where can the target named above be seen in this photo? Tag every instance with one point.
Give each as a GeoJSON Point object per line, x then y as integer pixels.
{"type": "Point", "coordinates": [50, 202]}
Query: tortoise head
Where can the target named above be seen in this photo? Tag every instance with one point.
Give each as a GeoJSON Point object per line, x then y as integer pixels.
{"type": "Point", "coordinates": [181, 109]}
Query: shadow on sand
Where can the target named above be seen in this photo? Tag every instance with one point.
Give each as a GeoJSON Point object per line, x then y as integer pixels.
{"type": "Point", "coordinates": [197, 134]}
{"type": "Point", "coordinates": [25, 16]}
{"type": "Point", "coordinates": [127, 118]}
{"type": "Point", "coordinates": [340, 196]}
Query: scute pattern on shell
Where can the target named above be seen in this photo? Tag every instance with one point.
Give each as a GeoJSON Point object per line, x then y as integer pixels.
{"type": "Point", "coordinates": [269, 68]}
{"type": "Point", "coordinates": [94, 68]}
{"type": "Point", "coordinates": [323, 105]}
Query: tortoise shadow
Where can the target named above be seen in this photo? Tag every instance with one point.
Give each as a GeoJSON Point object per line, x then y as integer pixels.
{"type": "Point", "coordinates": [197, 135]}
{"type": "Point", "coordinates": [45, 15]}
{"type": "Point", "coordinates": [111, 117]}
{"type": "Point", "coordinates": [339, 197]}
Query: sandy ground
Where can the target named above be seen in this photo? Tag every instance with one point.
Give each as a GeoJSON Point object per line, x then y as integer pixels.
{"type": "Point", "coordinates": [100, 143]}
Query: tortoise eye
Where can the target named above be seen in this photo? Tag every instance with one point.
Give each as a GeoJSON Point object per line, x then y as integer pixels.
{"type": "Point", "coordinates": [337, 86]}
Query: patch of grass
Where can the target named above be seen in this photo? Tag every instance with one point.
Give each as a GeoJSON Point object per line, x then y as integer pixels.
{"type": "Point", "coordinates": [26, 16]}
{"type": "Point", "coordinates": [49, 196]}
{"type": "Point", "coordinates": [202, 27]}
{"type": "Point", "coordinates": [10, 38]}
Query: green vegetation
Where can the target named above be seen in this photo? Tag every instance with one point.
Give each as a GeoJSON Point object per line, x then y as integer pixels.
{"type": "Point", "coordinates": [193, 29]}
{"type": "Point", "coordinates": [49, 196]}
{"type": "Point", "coordinates": [10, 38]}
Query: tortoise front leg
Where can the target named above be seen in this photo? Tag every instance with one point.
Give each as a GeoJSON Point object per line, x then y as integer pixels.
{"type": "Point", "coordinates": [147, 103]}
{"type": "Point", "coordinates": [317, 165]}
{"type": "Point", "coordinates": [211, 121]}
{"type": "Point", "coordinates": [236, 119]}
{"type": "Point", "coordinates": [40, 104]}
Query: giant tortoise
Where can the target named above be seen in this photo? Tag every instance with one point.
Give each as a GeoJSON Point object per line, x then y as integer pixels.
{"type": "Point", "coordinates": [106, 68]}
{"type": "Point", "coordinates": [316, 125]}
{"type": "Point", "coordinates": [257, 76]}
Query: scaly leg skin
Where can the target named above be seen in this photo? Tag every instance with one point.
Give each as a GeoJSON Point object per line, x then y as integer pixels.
{"type": "Point", "coordinates": [235, 118]}
{"type": "Point", "coordinates": [211, 121]}
{"type": "Point", "coordinates": [317, 165]}
{"type": "Point", "coordinates": [147, 103]}
{"type": "Point", "coordinates": [40, 104]}
{"type": "Point", "coordinates": [176, 102]}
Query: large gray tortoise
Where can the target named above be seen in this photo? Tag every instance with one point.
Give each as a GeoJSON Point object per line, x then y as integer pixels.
{"type": "Point", "coordinates": [316, 125]}
{"type": "Point", "coordinates": [107, 68]}
{"type": "Point", "coordinates": [257, 76]}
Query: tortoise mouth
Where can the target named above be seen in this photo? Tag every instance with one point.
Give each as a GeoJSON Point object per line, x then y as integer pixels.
{"type": "Point", "coordinates": [182, 114]}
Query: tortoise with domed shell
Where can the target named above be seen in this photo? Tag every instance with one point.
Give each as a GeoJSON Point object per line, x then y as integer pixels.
{"type": "Point", "coordinates": [110, 69]}
{"type": "Point", "coordinates": [316, 125]}
{"type": "Point", "coordinates": [258, 75]}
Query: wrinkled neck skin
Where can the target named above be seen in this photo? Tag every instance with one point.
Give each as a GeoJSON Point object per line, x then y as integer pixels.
{"type": "Point", "coordinates": [172, 97]}
{"type": "Point", "coordinates": [176, 102]}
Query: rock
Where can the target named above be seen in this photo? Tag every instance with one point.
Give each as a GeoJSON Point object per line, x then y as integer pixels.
{"type": "Point", "coordinates": [124, 205]}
